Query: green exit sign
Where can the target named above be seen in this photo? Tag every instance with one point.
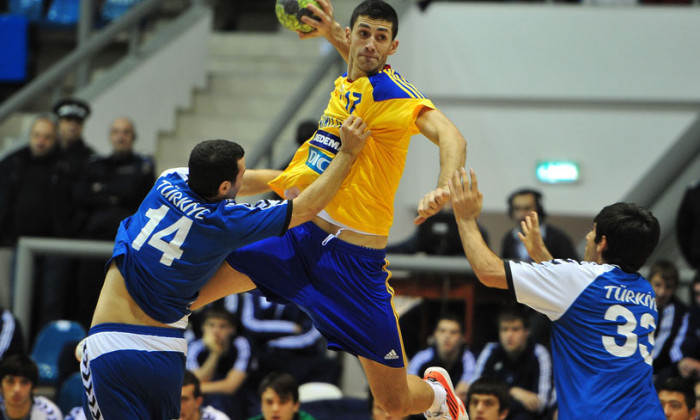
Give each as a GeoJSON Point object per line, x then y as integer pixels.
{"type": "Point", "coordinates": [557, 172]}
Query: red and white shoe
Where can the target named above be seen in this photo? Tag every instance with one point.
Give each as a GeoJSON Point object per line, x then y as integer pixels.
{"type": "Point", "coordinates": [452, 408]}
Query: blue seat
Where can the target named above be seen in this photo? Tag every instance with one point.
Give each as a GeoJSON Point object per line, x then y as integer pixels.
{"type": "Point", "coordinates": [31, 9]}
{"type": "Point", "coordinates": [70, 394]}
{"type": "Point", "coordinates": [63, 12]}
{"type": "Point", "coordinates": [49, 344]}
{"type": "Point", "coordinates": [114, 9]}
{"type": "Point", "coordinates": [14, 50]}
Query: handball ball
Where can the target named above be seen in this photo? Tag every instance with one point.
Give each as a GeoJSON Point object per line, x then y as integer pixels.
{"type": "Point", "coordinates": [289, 13]}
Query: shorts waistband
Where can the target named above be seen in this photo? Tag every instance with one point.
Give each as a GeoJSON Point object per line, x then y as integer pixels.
{"type": "Point", "coordinates": [137, 329]}
{"type": "Point", "coordinates": [320, 235]}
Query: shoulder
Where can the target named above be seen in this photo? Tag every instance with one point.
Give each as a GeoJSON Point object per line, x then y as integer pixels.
{"type": "Point", "coordinates": [46, 409]}
{"type": "Point", "coordinates": [211, 413]}
{"type": "Point", "coordinates": [388, 84]}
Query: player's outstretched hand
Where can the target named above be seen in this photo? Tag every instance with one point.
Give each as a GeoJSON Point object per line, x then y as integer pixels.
{"type": "Point", "coordinates": [324, 27]}
{"type": "Point", "coordinates": [431, 204]}
{"type": "Point", "coordinates": [353, 135]}
{"type": "Point", "coordinates": [466, 197]}
{"type": "Point", "coordinates": [531, 237]}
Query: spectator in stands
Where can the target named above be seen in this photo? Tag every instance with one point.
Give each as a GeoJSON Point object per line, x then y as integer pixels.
{"type": "Point", "coordinates": [448, 351]}
{"type": "Point", "coordinates": [677, 399]}
{"type": "Point", "coordinates": [192, 399]}
{"type": "Point", "coordinates": [664, 279]}
{"type": "Point", "coordinates": [34, 188]}
{"type": "Point", "coordinates": [221, 360]}
{"type": "Point", "coordinates": [72, 113]}
{"type": "Point", "coordinates": [689, 345]}
{"type": "Point", "coordinates": [488, 399]}
{"type": "Point", "coordinates": [286, 340]}
{"type": "Point", "coordinates": [376, 412]}
{"type": "Point", "coordinates": [11, 337]}
{"type": "Point", "coordinates": [279, 398]}
{"type": "Point", "coordinates": [520, 204]}
{"type": "Point", "coordinates": [110, 189]}
{"type": "Point", "coordinates": [523, 364]}
{"type": "Point", "coordinates": [688, 225]}
{"type": "Point", "coordinates": [18, 376]}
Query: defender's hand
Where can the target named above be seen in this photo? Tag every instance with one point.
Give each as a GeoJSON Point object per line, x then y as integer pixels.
{"type": "Point", "coordinates": [353, 135]}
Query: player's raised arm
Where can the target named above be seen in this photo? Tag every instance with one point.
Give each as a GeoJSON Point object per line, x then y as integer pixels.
{"type": "Point", "coordinates": [327, 27]}
{"type": "Point", "coordinates": [255, 181]}
{"type": "Point", "coordinates": [466, 204]}
{"type": "Point", "coordinates": [434, 125]}
{"type": "Point", "coordinates": [353, 135]}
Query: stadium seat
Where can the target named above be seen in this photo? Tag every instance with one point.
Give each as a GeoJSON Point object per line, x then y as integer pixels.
{"type": "Point", "coordinates": [70, 394]}
{"type": "Point", "coordinates": [315, 391]}
{"type": "Point", "coordinates": [31, 9]}
{"type": "Point", "coordinates": [49, 345]}
{"type": "Point", "coordinates": [63, 12]}
{"type": "Point", "coordinates": [114, 9]}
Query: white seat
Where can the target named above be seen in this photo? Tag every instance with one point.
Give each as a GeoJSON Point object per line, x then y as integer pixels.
{"type": "Point", "coordinates": [315, 391]}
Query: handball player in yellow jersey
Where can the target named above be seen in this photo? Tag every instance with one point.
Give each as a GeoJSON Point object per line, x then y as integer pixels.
{"type": "Point", "coordinates": [334, 267]}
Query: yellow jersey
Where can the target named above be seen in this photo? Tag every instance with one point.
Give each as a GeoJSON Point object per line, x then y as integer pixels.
{"type": "Point", "coordinates": [389, 105]}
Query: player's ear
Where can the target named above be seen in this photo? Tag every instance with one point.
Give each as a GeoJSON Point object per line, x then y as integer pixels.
{"type": "Point", "coordinates": [394, 47]}
{"type": "Point", "coordinates": [347, 34]}
{"type": "Point", "coordinates": [602, 245]}
{"type": "Point", "coordinates": [224, 188]}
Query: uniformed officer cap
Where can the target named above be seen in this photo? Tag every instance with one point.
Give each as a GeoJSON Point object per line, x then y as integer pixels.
{"type": "Point", "coordinates": [72, 108]}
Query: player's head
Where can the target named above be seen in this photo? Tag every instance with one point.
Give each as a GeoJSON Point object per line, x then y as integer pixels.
{"type": "Point", "coordinates": [677, 398]}
{"type": "Point", "coordinates": [488, 399]}
{"type": "Point", "coordinates": [624, 234]}
{"type": "Point", "coordinates": [523, 201]}
{"type": "Point", "coordinates": [513, 329]}
{"type": "Point", "coordinates": [279, 396]}
{"type": "Point", "coordinates": [372, 36]}
{"type": "Point", "coordinates": [42, 136]}
{"type": "Point", "coordinates": [122, 135]}
{"type": "Point", "coordinates": [449, 334]}
{"type": "Point", "coordinates": [216, 169]}
{"type": "Point", "coordinates": [18, 376]}
{"type": "Point", "coordinates": [663, 276]}
{"type": "Point", "coordinates": [191, 397]}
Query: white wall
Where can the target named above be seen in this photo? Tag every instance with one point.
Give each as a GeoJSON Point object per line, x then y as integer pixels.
{"type": "Point", "coordinates": [151, 93]}
{"type": "Point", "coordinates": [610, 88]}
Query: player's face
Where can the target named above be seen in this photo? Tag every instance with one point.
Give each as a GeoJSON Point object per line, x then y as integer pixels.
{"type": "Point", "coordinates": [485, 407]}
{"type": "Point", "coordinates": [17, 392]}
{"type": "Point", "coordinates": [378, 413]}
{"type": "Point", "coordinates": [663, 289]}
{"type": "Point", "coordinates": [674, 406]}
{"type": "Point", "coordinates": [522, 205]}
{"type": "Point", "coordinates": [189, 405]}
{"type": "Point", "coordinates": [42, 138]}
{"type": "Point", "coordinates": [275, 407]}
{"type": "Point", "coordinates": [121, 135]}
{"type": "Point", "coordinates": [448, 336]}
{"type": "Point", "coordinates": [370, 45]}
{"type": "Point", "coordinates": [513, 335]}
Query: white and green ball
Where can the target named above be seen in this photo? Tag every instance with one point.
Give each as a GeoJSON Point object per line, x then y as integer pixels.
{"type": "Point", "coordinates": [289, 13]}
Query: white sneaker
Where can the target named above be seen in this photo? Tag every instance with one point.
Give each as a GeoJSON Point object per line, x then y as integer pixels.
{"type": "Point", "coordinates": [452, 408]}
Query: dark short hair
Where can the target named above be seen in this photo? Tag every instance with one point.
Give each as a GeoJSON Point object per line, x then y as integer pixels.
{"type": "Point", "coordinates": [539, 207]}
{"type": "Point", "coordinates": [453, 318]}
{"type": "Point", "coordinates": [282, 383]}
{"type": "Point", "coordinates": [666, 269]}
{"type": "Point", "coordinates": [490, 386]}
{"type": "Point", "coordinates": [512, 313]}
{"type": "Point", "coordinates": [379, 10]}
{"type": "Point", "coordinates": [192, 379]}
{"type": "Point", "coordinates": [219, 313]}
{"type": "Point", "coordinates": [683, 386]}
{"type": "Point", "coordinates": [211, 163]}
{"type": "Point", "coordinates": [632, 233]}
{"type": "Point", "coordinates": [20, 365]}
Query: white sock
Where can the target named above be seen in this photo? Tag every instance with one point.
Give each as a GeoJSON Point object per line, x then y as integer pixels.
{"type": "Point", "coordinates": [440, 396]}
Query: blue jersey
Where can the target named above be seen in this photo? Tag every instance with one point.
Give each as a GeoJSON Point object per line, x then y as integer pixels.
{"type": "Point", "coordinates": [603, 322]}
{"type": "Point", "coordinates": [176, 241]}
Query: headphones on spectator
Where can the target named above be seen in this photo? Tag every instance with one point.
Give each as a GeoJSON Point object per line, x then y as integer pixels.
{"type": "Point", "coordinates": [538, 202]}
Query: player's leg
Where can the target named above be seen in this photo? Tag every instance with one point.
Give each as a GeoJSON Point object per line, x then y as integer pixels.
{"type": "Point", "coordinates": [226, 281]}
{"type": "Point", "coordinates": [396, 392]}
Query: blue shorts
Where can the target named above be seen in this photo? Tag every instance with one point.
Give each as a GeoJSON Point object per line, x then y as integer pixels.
{"type": "Point", "coordinates": [133, 372]}
{"type": "Point", "coordinates": [343, 287]}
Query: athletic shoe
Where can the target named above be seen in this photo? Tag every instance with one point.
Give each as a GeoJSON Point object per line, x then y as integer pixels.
{"type": "Point", "coordinates": [452, 408]}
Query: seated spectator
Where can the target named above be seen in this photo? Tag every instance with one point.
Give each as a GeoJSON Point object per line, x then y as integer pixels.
{"type": "Point", "coordinates": [677, 398]}
{"type": "Point", "coordinates": [286, 340]}
{"type": "Point", "coordinates": [687, 345]}
{"type": "Point", "coordinates": [664, 278]}
{"type": "Point", "coordinates": [376, 412]}
{"type": "Point", "coordinates": [279, 398]}
{"type": "Point", "coordinates": [221, 360]}
{"type": "Point", "coordinates": [11, 337]}
{"type": "Point", "coordinates": [524, 365]}
{"type": "Point", "coordinates": [688, 225]}
{"type": "Point", "coordinates": [191, 403]}
{"type": "Point", "coordinates": [488, 399]}
{"type": "Point", "coordinates": [19, 376]}
{"type": "Point", "coordinates": [447, 351]}
{"type": "Point", "coordinates": [520, 204]}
